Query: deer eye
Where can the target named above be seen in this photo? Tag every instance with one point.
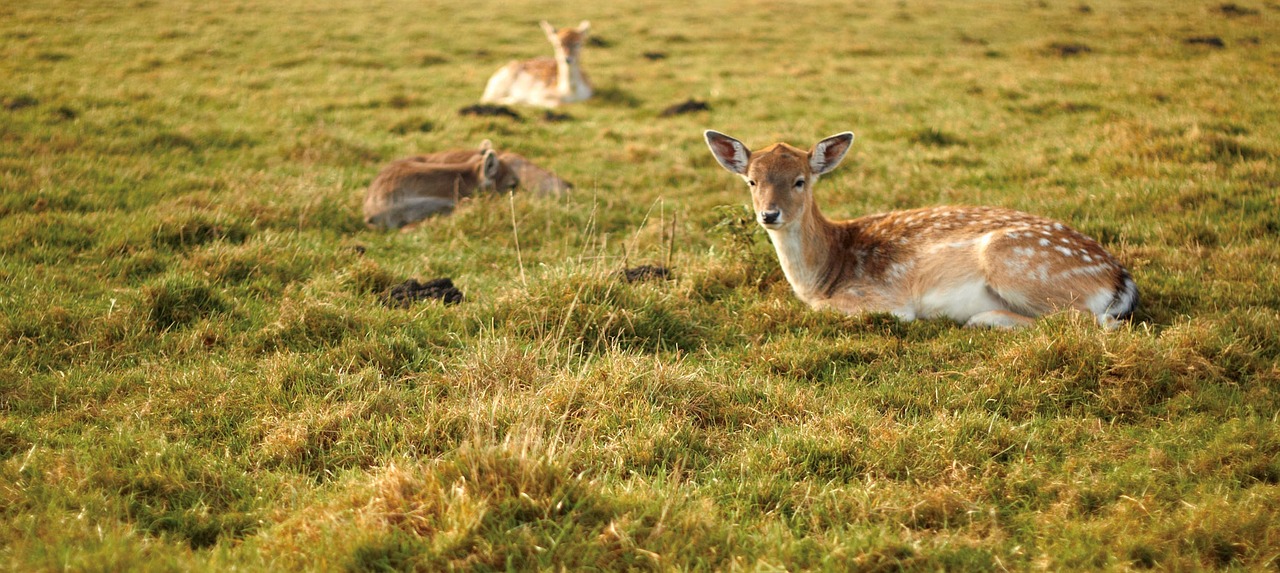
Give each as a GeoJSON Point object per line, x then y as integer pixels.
{"type": "Point", "coordinates": [799, 183]}
{"type": "Point", "coordinates": [751, 182]}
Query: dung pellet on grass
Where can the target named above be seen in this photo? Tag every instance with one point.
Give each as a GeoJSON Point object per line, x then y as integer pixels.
{"type": "Point", "coordinates": [645, 273]}
{"type": "Point", "coordinates": [688, 106]}
{"type": "Point", "coordinates": [408, 292]}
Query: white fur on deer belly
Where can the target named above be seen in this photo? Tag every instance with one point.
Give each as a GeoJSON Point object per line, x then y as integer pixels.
{"type": "Point", "coordinates": [958, 302]}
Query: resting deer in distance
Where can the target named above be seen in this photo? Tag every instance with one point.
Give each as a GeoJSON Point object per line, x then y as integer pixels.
{"type": "Point", "coordinates": [409, 190]}
{"type": "Point", "coordinates": [545, 82]}
{"type": "Point", "coordinates": [531, 176]}
{"type": "Point", "coordinates": [980, 266]}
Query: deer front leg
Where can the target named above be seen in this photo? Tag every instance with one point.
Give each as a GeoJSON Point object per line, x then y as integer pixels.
{"type": "Point", "coordinates": [998, 319]}
{"type": "Point", "coordinates": [863, 301]}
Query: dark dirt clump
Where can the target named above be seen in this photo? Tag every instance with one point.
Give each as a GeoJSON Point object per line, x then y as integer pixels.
{"type": "Point", "coordinates": [18, 102]}
{"type": "Point", "coordinates": [654, 56]}
{"type": "Point", "coordinates": [1211, 41]}
{"type": "Point", "coordinates": [406, 293]}
{"type": "Point", "coordinates": [1231, 9]}
{"type": "Point", "coordinates": [556, 117]}
{"type": "Point", "coordinates": [1067, 50]}
{"type": "Point", "coordinates": [644, 273]}
{"type": "Point", "coordinates": [689, 106]}
{"type": "Point", "coordinates": [483, 109]}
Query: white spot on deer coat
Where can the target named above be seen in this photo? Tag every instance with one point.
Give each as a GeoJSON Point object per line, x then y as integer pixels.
{"type": "Point", "coordinates": [1091, 270]}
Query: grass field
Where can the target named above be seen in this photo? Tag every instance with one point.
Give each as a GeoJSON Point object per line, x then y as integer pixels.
{"type": "Point", "coordinates": [196, 370]}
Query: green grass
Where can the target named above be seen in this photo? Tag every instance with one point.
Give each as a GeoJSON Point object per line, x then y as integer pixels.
{"type": "Point", "coordinates": [196, 370]}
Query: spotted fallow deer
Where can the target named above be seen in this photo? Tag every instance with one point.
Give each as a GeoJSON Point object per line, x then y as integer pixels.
{"type": "Point", "coordinates": [545, 82]}
{"type": "Point", "coordinates": [409, 190]}
{"type": "Point", "coordinates": [980, 266]}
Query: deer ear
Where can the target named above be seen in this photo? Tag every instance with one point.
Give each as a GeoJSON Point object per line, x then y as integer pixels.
{"type": "Point", "coordinates": [731, 153]}
{"type": "Point", "coordinates": [486, 145]}
{"type": "Point", "coordinates": [583, 27]}
{"type": "Point", "coordinates": [548, 28]}
{"type": "Point", "coordinates": [828, 153]}
{"type": "Point", "coordinates": [489, 160]}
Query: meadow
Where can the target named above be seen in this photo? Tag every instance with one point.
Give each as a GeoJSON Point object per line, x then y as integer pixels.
{"type": "Point", "coordinates": [198, 370]}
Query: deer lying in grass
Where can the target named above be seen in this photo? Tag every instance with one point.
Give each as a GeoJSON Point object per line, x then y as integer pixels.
{"type": "Point", "coordinates": [980, 266]}
{"type": "Point", "coordinates": [545, 82]}
{"type": "Point", "coordinates": [409, 190]}
{"type": "Point", "coordinates": [531, 176]}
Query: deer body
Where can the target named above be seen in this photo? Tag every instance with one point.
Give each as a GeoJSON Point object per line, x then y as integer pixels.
{"type": "Point", "coordinates": [980, 266]}
{"type": "Point", "coordinates": [408, 190]}
{"type": "Point", "coordinates": [545, 82]}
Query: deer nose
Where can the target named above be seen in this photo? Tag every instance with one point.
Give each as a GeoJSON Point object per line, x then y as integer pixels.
{"type": "Point", "coordinates": [770, 217]}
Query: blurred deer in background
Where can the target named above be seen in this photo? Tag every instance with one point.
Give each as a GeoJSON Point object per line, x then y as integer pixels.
{"type": "Point", "coordinates": [545, 82]}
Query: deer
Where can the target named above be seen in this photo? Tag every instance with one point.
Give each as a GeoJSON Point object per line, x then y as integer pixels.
{"type": "Point", "coordinates": [408, 190]}
{"type": "Point", "coordinates": [978, 266]}
{"type": "Point", "coordinates": [530, 175]}
{"type": "Point", "coordinates": [545, 82]}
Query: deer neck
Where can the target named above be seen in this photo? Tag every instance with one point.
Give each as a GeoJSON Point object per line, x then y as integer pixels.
{"type": "Point", "coordinates": [807, 252]}
{"type": "Point", "coordinates": [464, 177]}
{"type": "Point", "coordinates": [571, 82]}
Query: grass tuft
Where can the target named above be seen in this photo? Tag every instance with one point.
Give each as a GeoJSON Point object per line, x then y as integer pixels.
{"type": "Point", "coordinates": [179, 301]}
{"type": "Point", "coordinates": [192, 228]}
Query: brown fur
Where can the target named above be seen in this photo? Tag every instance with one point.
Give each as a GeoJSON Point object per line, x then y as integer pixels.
{"type": "Point", "coordinates": [533, 177]}
{"type": "Point", "coordinates": [542, 69]}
